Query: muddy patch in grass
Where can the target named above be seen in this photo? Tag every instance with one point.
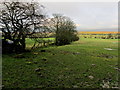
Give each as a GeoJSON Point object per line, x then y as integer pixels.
{"type": "Point", "coordinates": [106, 56]}
{"type": "Point", "coordinates": [68, 52]}
{"type": "Point", "coordinates": [19, 56]}
{"type": "Point", "coordinates": [109, 49]}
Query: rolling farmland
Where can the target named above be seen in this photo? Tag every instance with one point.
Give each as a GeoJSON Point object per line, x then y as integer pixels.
{"type": "Point", "coordinates": [101, 35]}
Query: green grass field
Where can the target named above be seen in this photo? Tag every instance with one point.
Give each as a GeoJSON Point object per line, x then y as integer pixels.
{"type": "Point", "coordinates": [83, 64]}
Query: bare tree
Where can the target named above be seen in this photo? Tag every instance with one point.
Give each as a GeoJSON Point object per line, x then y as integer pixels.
{"type": "Point", "coordinates": [41, 37]}
{"type": "Point", "coordinates": [64, 28]}
{"type": "Point", "coordinates": [19, 20]}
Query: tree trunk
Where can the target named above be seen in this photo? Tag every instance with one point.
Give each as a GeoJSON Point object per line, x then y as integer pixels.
{"type": "Point", "coordinates": [23, 43]}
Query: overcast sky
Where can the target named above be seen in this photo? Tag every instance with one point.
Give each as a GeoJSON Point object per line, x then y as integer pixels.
{"type": "Point", "coordinates": [87, 15]}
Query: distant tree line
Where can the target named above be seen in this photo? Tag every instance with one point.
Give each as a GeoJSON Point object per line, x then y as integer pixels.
{"type": "Point", "coordinates": [101, 36]}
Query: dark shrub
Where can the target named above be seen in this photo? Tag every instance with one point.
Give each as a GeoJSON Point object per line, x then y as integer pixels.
{"type": "Point", "coordinates": [103, 37]}
{"type": "Point", "coordinates": [75, 38]}
{"type": "Point", "coordinates": [109, 36]}
{"type": "Point", "coordinates": [8, 47]}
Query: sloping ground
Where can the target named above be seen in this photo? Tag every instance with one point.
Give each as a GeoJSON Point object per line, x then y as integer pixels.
{"type": "Point", "coordinates": [83, 64]}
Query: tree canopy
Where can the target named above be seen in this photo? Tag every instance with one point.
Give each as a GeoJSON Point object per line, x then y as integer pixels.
{"type": "Point", "coordinates": [19, 20]}
{"type": "Point", "coordinates": [64, 28]}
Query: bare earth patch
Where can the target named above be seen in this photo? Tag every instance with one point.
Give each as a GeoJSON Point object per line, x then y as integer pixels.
{"type": "Point", "coordinates": [109, 49]}
{"type": "Point", "coordinates": [106, 56]}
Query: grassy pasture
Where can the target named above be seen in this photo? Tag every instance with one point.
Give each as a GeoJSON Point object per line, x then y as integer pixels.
{"type": "Point", "coordinates": [30, 42]}
{"type": "Point", "coordinates": [82, 64]}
